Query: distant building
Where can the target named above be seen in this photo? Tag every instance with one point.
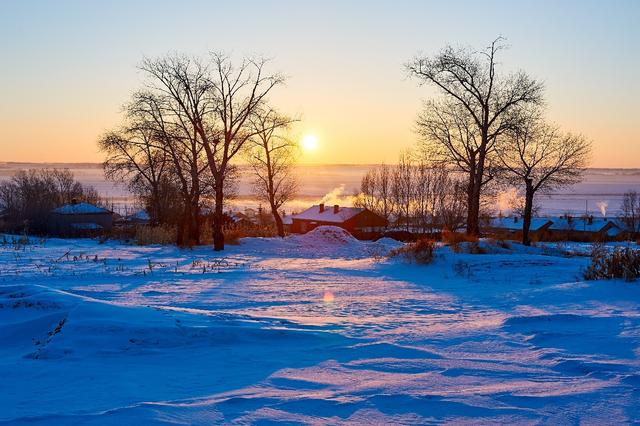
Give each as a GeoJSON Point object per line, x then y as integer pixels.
{"type": "Point", "coordinates": [140, 217]}
{"type": "Point", "coordinates": [585, 227]}
{"type": "Point", "coordinates": [513, 225]}
{"type": "Point", "coordinates": [565, 227]}
{"type": "Point", "coordinates": [358, 221]}
{"type": "Point", "coordinates": [79, 220]}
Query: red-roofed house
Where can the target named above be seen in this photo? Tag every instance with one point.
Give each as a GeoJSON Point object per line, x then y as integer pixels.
{"type": "Point", "coordinates": [357, 221]}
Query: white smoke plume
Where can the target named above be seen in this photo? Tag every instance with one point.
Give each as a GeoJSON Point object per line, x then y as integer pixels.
{"type": "Point", "coordinates": [337, 196]}
{"type": "Point", "coordinates": [507, 200]}
{"type": "Point", "coordinates": [603, 205]}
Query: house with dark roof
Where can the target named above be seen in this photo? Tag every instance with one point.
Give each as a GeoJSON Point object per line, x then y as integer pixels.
{"type": "Point", "coordinates": [585, 227]}
{"type": "Point", "coordinates": [565, 227]}
{"type": "Point", "coordinates": [512, 226]}
{"type": "Point", "coordinates": [79, 220]}
{"type": "Point", "coordinates": [358, 221]}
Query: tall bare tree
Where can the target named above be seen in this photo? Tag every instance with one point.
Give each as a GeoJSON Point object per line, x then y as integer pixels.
{"type": "Point", "coordinates": [239, 94]}
{"type": "Point", "coordinates": [540, 158]}
{"type": "Point", "coordinates": [211, 104]}
{"type": "Point", "coordinates": [177, 103]}
{"type": "Point", "coordinates": [477, 108]}
{"type": "Point", "coordinates": [271, 154]}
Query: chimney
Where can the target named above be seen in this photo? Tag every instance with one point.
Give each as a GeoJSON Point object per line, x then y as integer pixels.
{"type": "Point", "coordinates": [321, 207]}
{"type": "Point", "coordinates": [74, 201]}
{"type": "Point", "coordinates": [590, 220]}
{"type": "Point", "coordinates": [336, 209]}
{"type": "Point", "coordinates": [515, 219]}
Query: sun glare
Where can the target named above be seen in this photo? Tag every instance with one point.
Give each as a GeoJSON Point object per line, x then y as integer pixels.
{"type": "Point", "coordinates": [310, 143]}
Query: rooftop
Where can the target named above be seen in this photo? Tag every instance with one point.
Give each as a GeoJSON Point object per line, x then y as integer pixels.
{"type": "Point", "coordinates": [80, 208]}
{"type": "Point", "coordinates": [328, 215]}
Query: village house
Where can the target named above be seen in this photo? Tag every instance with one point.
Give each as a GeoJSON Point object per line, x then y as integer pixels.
{"type": "Point", "coordinates": [512, 226]}
{"type": "Point", "coordinates": [565, 227]}
{"type": "Point", "coordinates": [79, 219]}
{"type": "Point", "coordinates": [360, 222]}
{"type": "Point", "coordinates": [585, 228]}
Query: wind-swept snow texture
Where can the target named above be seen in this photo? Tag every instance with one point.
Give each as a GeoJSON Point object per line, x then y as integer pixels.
{"type": "Point", "coordinates": [315, 329]}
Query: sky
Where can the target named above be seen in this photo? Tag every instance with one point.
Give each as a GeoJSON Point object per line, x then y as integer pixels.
{"type": "Point", "coordinates": [67, 67]}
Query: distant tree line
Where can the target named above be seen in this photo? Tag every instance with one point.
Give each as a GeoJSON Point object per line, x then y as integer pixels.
{"type": "Point", "coordinates": [414, 196]}
{"type": "Point", "coordinates": [183, 132]}
{"type": "Point", "coordinates": [27, 199]}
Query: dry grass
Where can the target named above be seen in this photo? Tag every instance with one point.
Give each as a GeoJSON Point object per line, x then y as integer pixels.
{"type": "Point", "coordinates": [147, 235]}
{"type": "Point", "coordinates": [232, 235]}
{"type": "Point", "coordinates": [420, 251]}
{"type": "Point", "coordinates": [622, 262]}
{"type": "Point", "coordinates": [460, 242]}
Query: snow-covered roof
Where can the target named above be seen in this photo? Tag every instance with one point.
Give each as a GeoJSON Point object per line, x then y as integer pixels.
{"type": "Point", "coordinates": [510, 224]}
{"type": "Point", "coordinates": [313, 213]}
{"type": "Point", "coordinates": [80, 208]}
{"type": "Point", "coordinates": [139, 216]}
{"type": "Point", "coordinates": [596, 224]}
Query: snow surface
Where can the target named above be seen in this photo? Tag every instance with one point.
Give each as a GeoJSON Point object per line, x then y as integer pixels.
{"type": "Point", "coordinates": [312, 329]}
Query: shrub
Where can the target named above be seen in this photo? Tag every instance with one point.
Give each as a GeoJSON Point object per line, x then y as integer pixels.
{"type": "Point", "coordinates": [420, 251]}
{"type": "Point", "coordinates": [622, 262]}
{"type": "Point", "coordinates": [455, 239]}
{"type": "Point", "coordinates": [147, 235]}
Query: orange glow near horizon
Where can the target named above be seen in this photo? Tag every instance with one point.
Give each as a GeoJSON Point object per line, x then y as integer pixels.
{"type": "Point", "coordinates": [66, 74]}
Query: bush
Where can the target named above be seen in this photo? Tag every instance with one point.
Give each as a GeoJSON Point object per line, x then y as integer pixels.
{"type": "Point", "coordinates": [148, 235]}
{"type": "Point", "coordinates": [420, 252]}
{"type": "Point", "coordinates": [622, 262]}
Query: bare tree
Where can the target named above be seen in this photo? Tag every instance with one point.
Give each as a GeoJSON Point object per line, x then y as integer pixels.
{"type": "Point", "coordinates": [403, 189]}
{"type": "Point", "coordinates": [477, 108]}
{"type": "Point", "coordinates": [179, 106]}
{"type": "Point", "coordinates": [631, 210]}
{"type": "Point", "coordinates": [540, 158]}
{"type": "Point", "coordinates": [271, 154]}
{"type": "Point", "coordinates": [134, 158]}
{"type": "Point", "coordinates": [376, 191]}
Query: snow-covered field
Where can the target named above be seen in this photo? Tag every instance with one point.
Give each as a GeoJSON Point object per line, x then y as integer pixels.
{"type": "Point", "coordinates": [315, 329]}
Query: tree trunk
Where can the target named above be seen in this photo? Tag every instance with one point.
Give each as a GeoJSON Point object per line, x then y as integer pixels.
{"type": "Point", "coordinates": [528, 210]}
{"type": "Point", "coordinates": [218, 220]}
{"type": "Point", "coordinates": [194, 235]}
{"type": "Point", "coordinates": [182, 235]}
{"type": "Point", "coordinates": [473, 207]}
{"type": "Point", "coordinates": [278, 220]}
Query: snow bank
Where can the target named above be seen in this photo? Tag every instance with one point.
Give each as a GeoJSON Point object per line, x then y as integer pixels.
{"type": "Point", "coordinates": [327, 235]}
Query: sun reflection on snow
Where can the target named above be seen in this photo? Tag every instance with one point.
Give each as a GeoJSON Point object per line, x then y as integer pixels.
{"type": "Point", "coordinates": [328, 296]}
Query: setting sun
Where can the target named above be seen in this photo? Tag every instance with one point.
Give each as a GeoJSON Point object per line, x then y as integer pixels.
{"type": "Point", "coordinates": [310, 143]}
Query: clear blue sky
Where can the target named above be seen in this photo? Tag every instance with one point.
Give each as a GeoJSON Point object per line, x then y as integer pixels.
{"type": "Point", "coordinates": [68, 66]}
